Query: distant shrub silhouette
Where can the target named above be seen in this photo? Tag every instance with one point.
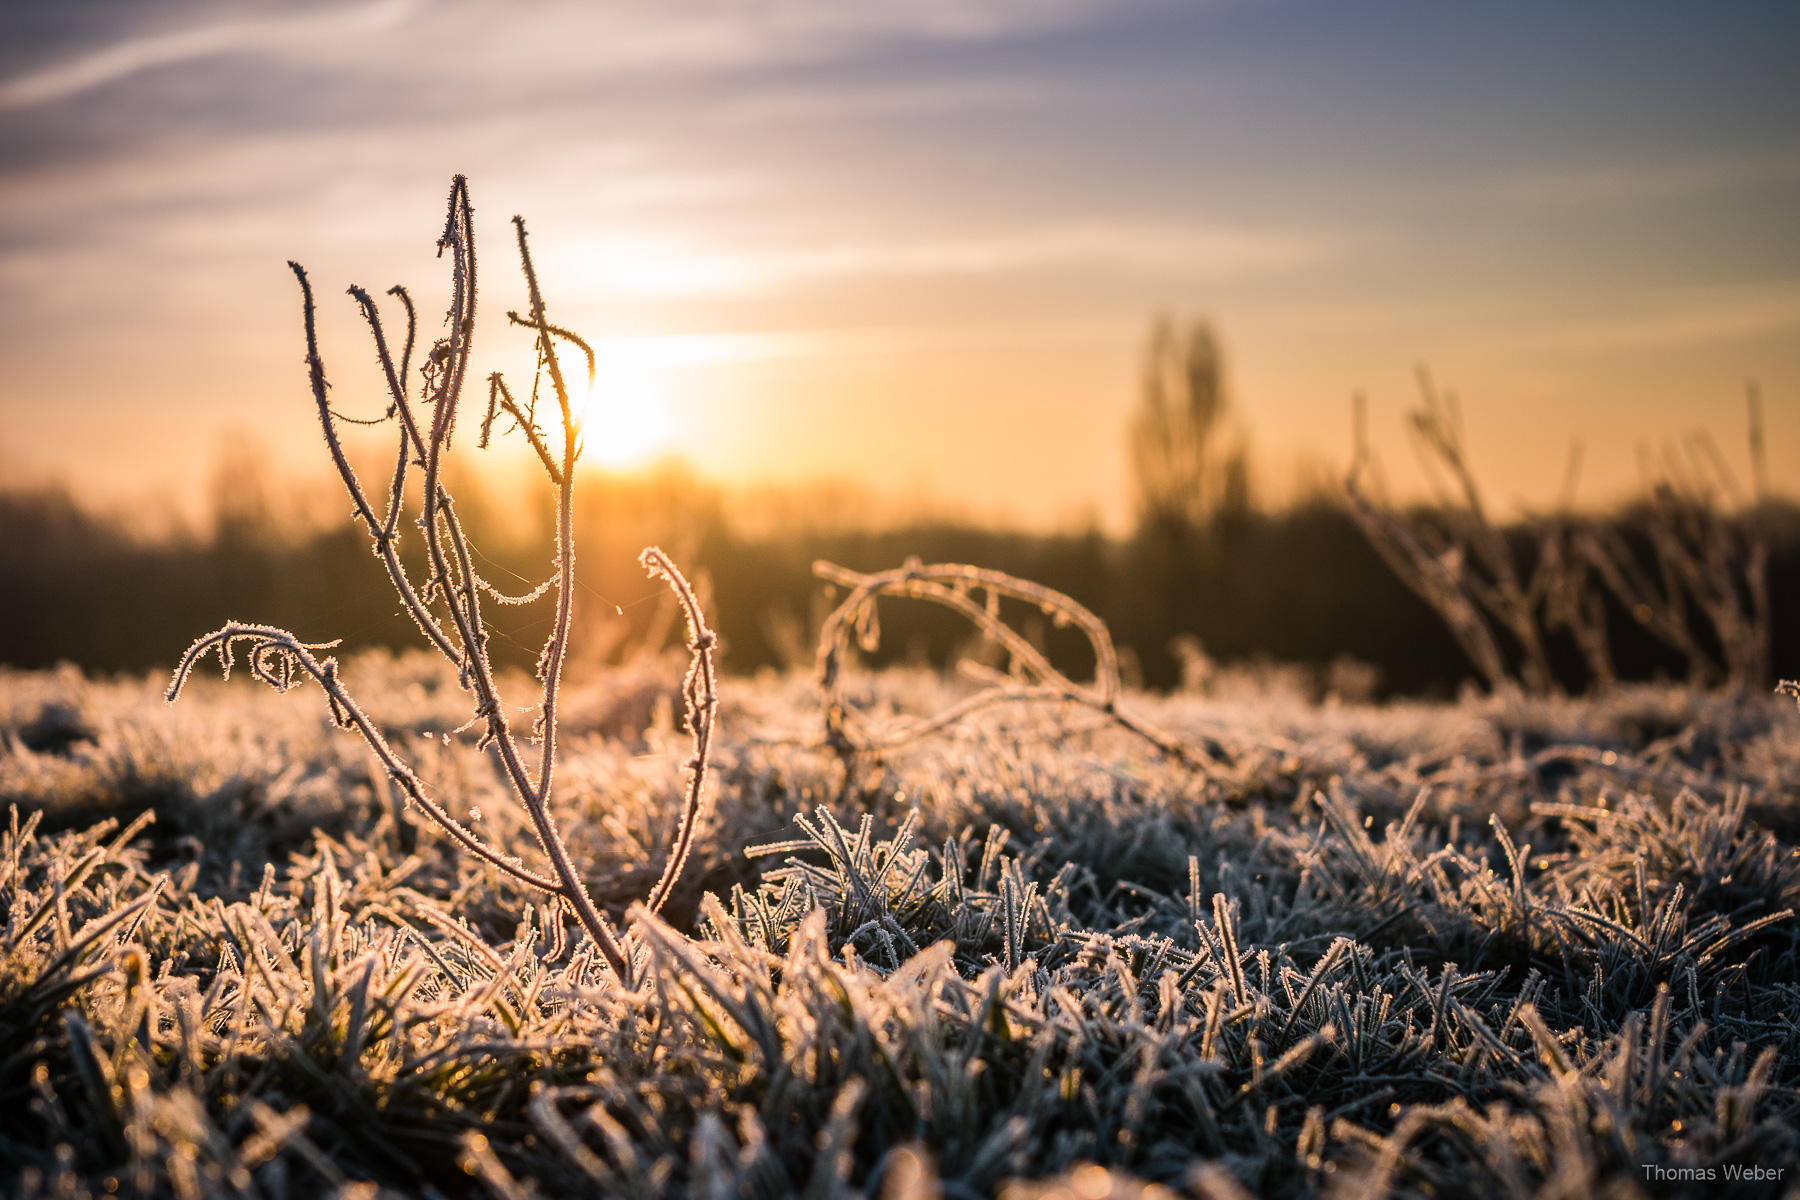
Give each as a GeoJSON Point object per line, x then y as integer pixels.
{"type": "Point", "coordinates": [1457, 560]}
{"type": "Point", "coordinates": [1711, 548]}
{"type": "Point", "coordinates": [1705, 555]}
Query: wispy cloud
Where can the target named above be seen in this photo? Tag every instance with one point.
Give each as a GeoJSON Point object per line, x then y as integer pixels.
{"type": "Point", "coordinates": [127, 58]}
{"type": "Point", "coordinates": [652, 266]}
{"type": "Point", "coordinates": [681, 351]}
{"type": "Point", "coordinates": [1604, 183]}
{"type": "Point", "coordinates": [1688, 317]}
{"type": "Point", "coordinates": [635, 33]}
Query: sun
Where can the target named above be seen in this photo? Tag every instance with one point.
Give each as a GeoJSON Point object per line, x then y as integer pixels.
{"type": "Point", "coordinates": [624, 422]}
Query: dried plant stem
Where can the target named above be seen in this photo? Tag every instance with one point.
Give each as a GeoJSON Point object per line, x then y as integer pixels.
{"type": "Point", "coordinates": [1458, 562]}
{"type": "Point", "coordinates": [1660, 609]}
{"type": "Point", "coordinates": [280, 659]}
{"type": "Point", "coordinates": [1715, 556]}
{"type": "Point", "coordinates": [1035, 680]}
{"type": "Point", "coordinates": [1435, 579]}
{"type": "Point", "coordinates": [699, 692]}
{"type": "Point", "coordinates": [1496, 586]}
{"type": "Point", "coordinates": [275, 656]}
{"type": "Point", "coordinates": [1571, 601]}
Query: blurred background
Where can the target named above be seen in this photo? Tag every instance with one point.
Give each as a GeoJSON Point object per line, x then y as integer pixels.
{"type": "Point", "coordinates": [1078, 290]}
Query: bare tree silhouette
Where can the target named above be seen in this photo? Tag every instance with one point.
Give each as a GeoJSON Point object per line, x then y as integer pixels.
{"type": "Point", "coordinates": [1186, 472]}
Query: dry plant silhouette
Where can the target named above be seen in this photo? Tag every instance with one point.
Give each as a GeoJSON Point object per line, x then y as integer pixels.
{"type": "Point", "coordinates": [1709, 582]}
{"type": "Point", "coordinates": [1710, 547]}
{"type": "Point", "coordinates": [1458, 564]}
{"type": "Point", "coordinates": [278, 658]}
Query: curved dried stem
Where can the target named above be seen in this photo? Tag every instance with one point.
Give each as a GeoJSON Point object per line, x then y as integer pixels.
{"type": "Point", "coordinates": [567, 335]}
{"type": "Point", "coordinates": [1034, 679]}
{"type": "Point", "coordinates": [279, 659]}
{"type": "Point", "coordinates": [412, 326]}
{"type": "Point", "coordinates": [700, 697]}
{"type": "Point", "coordinates": [500, 597]}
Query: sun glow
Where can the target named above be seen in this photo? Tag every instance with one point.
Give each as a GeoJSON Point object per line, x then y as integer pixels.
{"type": "Point", "coordinates": [624, 422]}
{"type": "Point", "coordinates": [626, 419]}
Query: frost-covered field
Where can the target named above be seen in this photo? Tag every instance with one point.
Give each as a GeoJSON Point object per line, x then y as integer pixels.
{"type": "Point", "coordinates": [1497, 948]}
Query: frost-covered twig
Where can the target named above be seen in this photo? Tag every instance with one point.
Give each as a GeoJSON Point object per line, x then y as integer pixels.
{"type": "Point", "coordinates": [699, 691]}
{"type": "Point", "coordinates": [447, 608]}
{"type": "Point", "coordinates": [1706, 552]}
{"type": "Point", "coordinates": [1436, 573]}
{"type": "Point", "coordinates": [1459, 562]}
{"type": "Point", "coordinates": [1032, 678]}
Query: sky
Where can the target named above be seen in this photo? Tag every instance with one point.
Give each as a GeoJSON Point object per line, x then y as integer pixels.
{"type": "Point", "coordinates": [917, 247]}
